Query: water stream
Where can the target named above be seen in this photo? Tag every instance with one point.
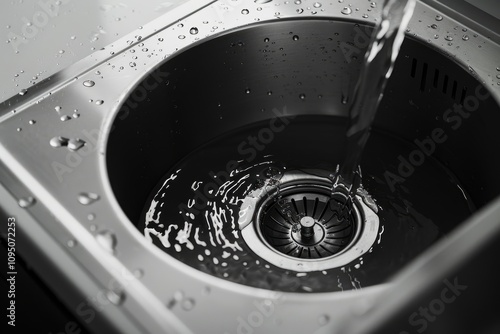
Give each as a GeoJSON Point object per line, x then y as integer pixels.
{"type": "Point", "coordinates": [379, 61]}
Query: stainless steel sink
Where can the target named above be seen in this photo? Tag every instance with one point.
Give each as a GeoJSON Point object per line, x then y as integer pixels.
{"type": "Point", "coordinates": [81, 152]}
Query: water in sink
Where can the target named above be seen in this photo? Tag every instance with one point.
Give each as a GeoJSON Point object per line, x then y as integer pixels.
{"type": "Point", "coordinates": [192, 213]}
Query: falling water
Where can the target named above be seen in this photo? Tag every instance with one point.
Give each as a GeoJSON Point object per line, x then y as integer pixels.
{"type": "Point", "coordinates": [378, 64]}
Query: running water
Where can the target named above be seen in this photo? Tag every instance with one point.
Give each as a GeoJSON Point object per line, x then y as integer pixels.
{"type": "Point", "coordinates": [377, 68]}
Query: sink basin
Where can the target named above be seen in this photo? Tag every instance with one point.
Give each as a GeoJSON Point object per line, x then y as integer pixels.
{"type": "Point", "coordinates": [419, 166]}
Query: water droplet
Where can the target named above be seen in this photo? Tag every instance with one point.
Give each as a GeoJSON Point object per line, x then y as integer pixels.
{"type": "Point", "coordinates": [317, 4]}
{"type": "Point", "coordinates": [297, 2]}
{"type": "Point", "coordinates": [75, 144]}
{"type": "Point", "coordinates": [132, 64]}
{"type": "Point", "coordinates": [181, 36]}
{"type": "Point", "coordinates": [32, 121]}
{"type": "Point", "coordinates": [193, 31]}
{"type": "Point", "coordinates": [266, 40]}
{"type": "Point", "coordinates": [188, 304]}
{"type": "Point", "coordinates": [323, 319]}
{"type": "Point", "coordinates": [71, 243]}
{"type": "Point", "coordinates": [91, 217]}
{"type": "Point", "coordinates": [449, 38]}
{"type": "Point", "coordinates": [439, 18]}
{"type": "Point", "coordinates": [245, 11]}
{"type": "Point", "coordinates": [88, 83]}
{"type": "Point", "coordinates": [206, 291]}
{"type": "Point", "coordinates": [178, 296]}
{"type": "Point", "coordinates": [365, 16]}
{"type": "Point", "coordinates": [465, 37]}
{"type": "Point", "coordinates": [87, 198]}
{"type": "Point", "coordinates": [299, 10]}
{"type": "Point", "coordinates": [434, 26]}
{"type": "Point", "coordinates": [436, 36]}
{"type": "Point", "coordinates": [76, 115]}
{"type": "Point", "coordinates": [58, 141]}
{"type": "Point", "coordinates": [295, 37]}
{"type": "Point", "coordinates": [116, 297]}
{"type": "Point", "coordinates": [26, 202]}
{"type": "Point", "coordinates": [138, 273]}
{"type": "Point", "coordinates": [61, 51]}
{"type": "Point", "coordinates": [247, 91]}
{"type": "Point", "coordinates": [302, 96]}
{"type": "Point", "coordinates": [99, 102]}
{"type": "Point", "coordinates": [373, 4]}
{"type": "Point", "coordinates": [260, 2]}
{"type": "Point", "coordinates": [107, 240]}
{"type": "Point", "coordinates": [346, 11]}
{"type": "Point", "coordinates": [23, 92]}
{"type": "Point", "coordinates": [19, 129]}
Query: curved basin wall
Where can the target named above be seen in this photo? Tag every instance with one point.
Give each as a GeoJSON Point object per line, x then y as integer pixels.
{"type": "Point", "coordinates": [302, 67]}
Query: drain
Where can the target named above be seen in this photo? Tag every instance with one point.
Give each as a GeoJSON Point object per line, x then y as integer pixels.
{"type": "Point", "coordinates": [294, 223]}
{"type": "Point", "coordinates": [303, 225]}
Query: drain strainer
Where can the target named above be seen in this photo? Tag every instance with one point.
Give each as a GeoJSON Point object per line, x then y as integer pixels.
{"type": "Point", "coordinates": [293, 224]}
{"type": "Point", "coordinates": [304, 225]}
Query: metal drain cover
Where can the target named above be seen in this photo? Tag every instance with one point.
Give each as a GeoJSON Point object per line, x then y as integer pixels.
{"type": "Point", "coordinates": [303, 225]}
{"type": "Point", "coordinates": [290, 223]}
